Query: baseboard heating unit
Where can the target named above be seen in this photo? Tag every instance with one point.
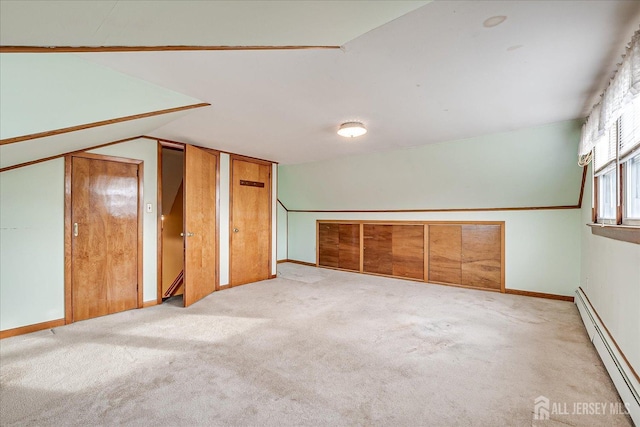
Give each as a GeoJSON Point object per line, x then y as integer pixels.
{"type": "Point", "coordinates": [621, 373]}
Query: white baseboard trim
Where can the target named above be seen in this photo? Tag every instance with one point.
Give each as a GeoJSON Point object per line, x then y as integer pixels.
{"type": "Point", "coordinates": [614, 361]}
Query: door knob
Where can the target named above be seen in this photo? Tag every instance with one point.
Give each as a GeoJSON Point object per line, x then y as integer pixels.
{"type": "Point", "coordinates": [75, 229]}
{"type": "Point", "coordinates": [235, 230]}
{"type": "Point", "coordinates": [188, 234]}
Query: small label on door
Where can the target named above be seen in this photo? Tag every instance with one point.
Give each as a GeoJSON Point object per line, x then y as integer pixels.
{"type": "Point", "coordinates": [252, 183]}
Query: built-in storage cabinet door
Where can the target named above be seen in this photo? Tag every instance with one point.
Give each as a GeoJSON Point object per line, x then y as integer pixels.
{"type": "Point", "coordinates": [378, 249]}
{"type": "Point", "coordinates": [349, 247]}
{"type": "Point", "coordinates": [469, 254]}
{"type": "Point", "coordinates": [394, 250]}
{"type": "Point", "coordinates": [481, 256]}
{"type": "Point", "coordinates": [408, 251]}
{"type": "Point", "coordinates": [328, 244]}
{"type": "Point", "coordinates": [445, 253]}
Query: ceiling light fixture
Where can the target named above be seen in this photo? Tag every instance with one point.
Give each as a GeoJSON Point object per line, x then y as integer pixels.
{"type": "Point", "coordinates": [494, 21]}
{"type": "Point", "coordinates": [352, 129]}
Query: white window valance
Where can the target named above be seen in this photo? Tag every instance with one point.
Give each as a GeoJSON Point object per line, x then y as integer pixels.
{"type": "Point", "coordinates": [622, 89]}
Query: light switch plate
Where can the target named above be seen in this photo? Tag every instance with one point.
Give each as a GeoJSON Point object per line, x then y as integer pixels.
{"type": "Point", "coordinates": [149, 207]}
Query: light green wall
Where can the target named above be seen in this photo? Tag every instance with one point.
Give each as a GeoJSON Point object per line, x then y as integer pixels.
{"type": "Point", "coordinates": [32, 234]}
{"type": "Point", "coordinates": [282, 233]}
{"type": "Point", "coordinates": [542, 246]}
{"type": "Point", "coordinates": [274, 219]}
{"type": "Point", "coordinates": [529, 167]}
{"type": "Point", "coordinates": [610, 276]}
{"type": "Point", "coordinates": [42, 92]}
{"type": "Point", "coordinates": [225, 172]}
{"type": "Point", "coordinates": [32, 244]}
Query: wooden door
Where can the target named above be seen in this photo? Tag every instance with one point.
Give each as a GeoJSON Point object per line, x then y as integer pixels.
{"type": "Point", "coordinates": [200, 236]}
{"type": "Point", "coordinates": [481, 256]}
{"type": "Point", "coordinates": [104, 237]}
{"type": "Point", "coordinates": [445, 253]}
{"type": "Point", "coordinates": [349, 247]}
{"type": "Point", "coordinates": [378, 254]}
{"type": "Point", "coordinates": [328, 244]}
{"type": "Point", "coordinates": [250, 222]}
{"type": "Point", "coordinates": [408, 251]}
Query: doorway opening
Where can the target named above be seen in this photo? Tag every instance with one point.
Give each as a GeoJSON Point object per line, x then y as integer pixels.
{"type": "Point", "coordinates": [172, 225]}
{"type": "Point", "coordinates": [188, 227]}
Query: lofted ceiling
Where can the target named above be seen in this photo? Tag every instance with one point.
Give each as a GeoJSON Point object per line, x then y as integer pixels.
{"type": "Point", "coordinates": [195, 23]}
{"type": "Point", "coordinates": [444, 71]}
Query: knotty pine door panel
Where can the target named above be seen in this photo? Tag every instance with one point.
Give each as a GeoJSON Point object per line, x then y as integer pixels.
{"type": "Point", "coordinates": [408, 251]}
{"type": "Point", "coordinates": [445, 253]}
{"type": "Point", "coordinates": [481, 256]}
{"type": "Point", "coordinates": [378, 249]}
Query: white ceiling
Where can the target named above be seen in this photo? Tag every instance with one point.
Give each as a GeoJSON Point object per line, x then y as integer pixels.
{"type": "Point", "coordinates": [435, 74]}
{"type": "Point", "coordinates": [196, 23]}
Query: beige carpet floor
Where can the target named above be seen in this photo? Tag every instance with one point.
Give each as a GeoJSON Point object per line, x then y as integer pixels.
{"type": "Point", "coordinates": [313, 347]}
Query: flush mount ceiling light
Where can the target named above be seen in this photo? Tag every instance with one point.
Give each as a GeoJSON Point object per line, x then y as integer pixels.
{"type": "Point", "coordinates": [494, 21]}
{"type": "Point", "coordinates": [352, 129]}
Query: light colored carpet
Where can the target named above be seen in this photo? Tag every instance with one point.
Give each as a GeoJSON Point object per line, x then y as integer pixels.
{"type": "Point", "coordinates": [312, 347]}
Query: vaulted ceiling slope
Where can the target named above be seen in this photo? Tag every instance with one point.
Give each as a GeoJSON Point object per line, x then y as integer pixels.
{"type": "Point", "coordinates": [439, 73]}
{"type": "Point", "coordinates": [197, 23]}
{"type": "Point", "coordinates": [43, 93]}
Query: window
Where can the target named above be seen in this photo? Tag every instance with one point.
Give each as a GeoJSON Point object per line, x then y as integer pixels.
{"type": "Point", "coordinates": [616, 165]}
{"type": "Point", "coordinates": [632, 195]}
{"type": "Point", "coordinates": [607, 199]}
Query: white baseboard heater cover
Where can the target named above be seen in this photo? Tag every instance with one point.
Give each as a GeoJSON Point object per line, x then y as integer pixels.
{"type": "Point", "coordinates": [620, 372]}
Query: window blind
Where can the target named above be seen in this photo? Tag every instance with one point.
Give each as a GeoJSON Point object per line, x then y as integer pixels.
{"type": "Point", "coordinates": [630, 127]}
{"type": "Point", "coordinates": [605, 149]}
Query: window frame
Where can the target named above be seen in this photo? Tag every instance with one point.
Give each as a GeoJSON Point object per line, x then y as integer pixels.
{"type": "Point", "coordinates": [624, 192]}
{"type": "Point", "coordinates": [621, 183]}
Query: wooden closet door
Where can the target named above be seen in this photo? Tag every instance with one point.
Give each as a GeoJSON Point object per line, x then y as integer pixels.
{"type": "Point", "coordinates": [481, 256]}
{"type": "Point", "coordinates": [328, 244]}
{"type": "Point", "coordinates": [104, 245]}
{"type": "Point", "coordinates": [445, 253]}
{"type": "Point", "coordinates": [349, 246]}
{"type": "Point", "coordinates": [251, 222]}
{"type": "Point", "coordinates": [408, 251]}
{"type": "Point", "coordinates": [378, 253]}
